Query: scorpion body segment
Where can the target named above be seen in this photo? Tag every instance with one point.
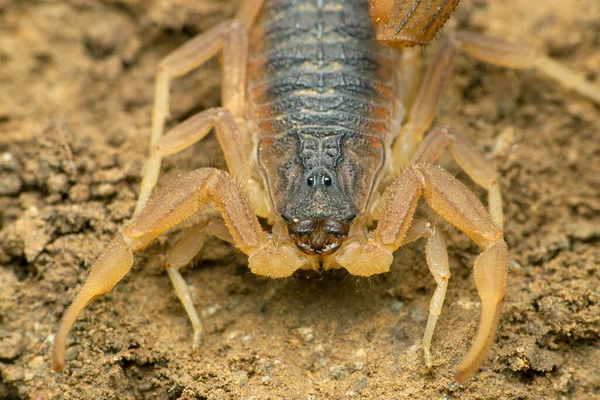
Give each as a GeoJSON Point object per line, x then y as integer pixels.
{"type": "Point", "coordinates": [322, 93]}
{"type": "Point", "coordinates": [317, 142]}
{"type": "Point", "coordinates": [406, 23]}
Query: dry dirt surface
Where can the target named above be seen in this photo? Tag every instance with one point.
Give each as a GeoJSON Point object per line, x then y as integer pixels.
{"type": "Point", "coordinates": [76, 87]}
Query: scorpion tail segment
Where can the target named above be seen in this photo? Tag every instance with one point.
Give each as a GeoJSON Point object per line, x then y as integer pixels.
{"type": "Point", "coordinates": [491, 271]}
{"type": "Point", "coordinates": [407, 23]}
{"type": "Point", "coordinates": [112, 265]}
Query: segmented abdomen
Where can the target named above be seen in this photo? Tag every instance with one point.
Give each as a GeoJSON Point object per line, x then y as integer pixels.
{"type": "Point", "coordinates": [315, 63]}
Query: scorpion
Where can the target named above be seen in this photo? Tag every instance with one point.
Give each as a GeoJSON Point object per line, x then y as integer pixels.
{"type": "Point", "coordinates": [322, 128]}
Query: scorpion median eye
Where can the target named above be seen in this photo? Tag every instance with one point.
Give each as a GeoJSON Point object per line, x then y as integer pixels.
{"type": "Point", "coordinates": [310, 181]}
{"type": "Point", "coordinates": [327, 181]}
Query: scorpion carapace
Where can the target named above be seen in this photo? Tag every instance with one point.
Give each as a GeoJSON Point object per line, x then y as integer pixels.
{"type": "Point", "coordinates": [336, 172]}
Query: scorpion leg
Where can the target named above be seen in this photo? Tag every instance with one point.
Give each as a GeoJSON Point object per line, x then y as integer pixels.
{"type": "Point", "coordinates": [437, 260]}
{"type": "Point", "coordinates": [455, 203]}
{"type": "Point", "coordinates": [233, 143]}
{"type": "Point", "coordinates": [492, 50]}
{"type": "Point", "coordinates": [182, 254]}
{"type": "Point", "coordinates": [180, 200]}
{"type": "Point", "coordinates": [183, 198]}
{"type": "Point", "coordinates": [229, 37]}
{"type": "Point", "coordinates": [470, 160]}
{"type": "Point", "coordinates": [410, 75]}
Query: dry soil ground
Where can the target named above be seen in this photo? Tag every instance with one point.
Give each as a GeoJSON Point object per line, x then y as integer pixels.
{"type": "Point", "coordinates": [76, 86]}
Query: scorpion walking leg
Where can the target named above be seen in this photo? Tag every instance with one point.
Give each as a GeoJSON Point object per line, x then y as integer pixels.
{"type": "Point", "coordinates": [437, 260]}
{"type": "Point", "coordinates": [231, 38]}
{"type": "Point", "coordinates": [470, 160]}
{"type": "Point", "coordinates": [233, 143]}
{"type": "Point", "coordinates": [455, 203]}
{"type": "Point", "coordinates": [492, 50]}
{"type": "Point", "coordinates": [410, 71]}
{"type": "Point", "coordinates": [182, 254]}
{"type": "Point", "coordinates": [170, 207]}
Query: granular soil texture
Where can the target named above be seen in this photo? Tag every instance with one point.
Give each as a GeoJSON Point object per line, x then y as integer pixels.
{"type": "Point", "coordinates": [76, 84]}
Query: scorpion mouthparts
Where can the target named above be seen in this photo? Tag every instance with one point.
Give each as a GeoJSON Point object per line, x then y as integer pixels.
{"type": "Point", "coordinates": [318, 236]}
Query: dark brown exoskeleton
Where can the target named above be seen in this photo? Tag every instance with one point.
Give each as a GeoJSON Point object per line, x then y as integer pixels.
{"type": "Point", "coordinates": [322, 128]}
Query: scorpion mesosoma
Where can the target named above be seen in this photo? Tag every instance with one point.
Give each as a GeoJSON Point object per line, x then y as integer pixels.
{"type": "Point", "coordinates": [322, 131]}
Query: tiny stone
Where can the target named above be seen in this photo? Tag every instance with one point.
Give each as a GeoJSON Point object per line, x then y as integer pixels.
{"type": "Point", "coordinates": [58, 183]}
{"type": "Point", "coordinates": [53, 198]}
{"type": "Point", "coordinates": [79, 193]}
{"type": "Point", "coordinates": [37, 363]}
{"type": "Point", "coordinates": [12, 373]}
{"type": "Point", "coordinates": [120, 210]}
{"type": "Point", "coordinates": [211, 310]}
{"type": "Point", "coordinates": [241, 378]}
{"type": "Point", "coordinates": [71, 353]}
{"type": "Point", "coordinates": [8, 162]}
{"type": "Point", "coordinates": [10, 184]}
{"type": "Point", "coordinates": [397, 305]}
{"type": "Point", "coordinates": [306, 334]}
{"type": "Point", "coordinates": [112, 175]}
{"type": "Point", "coordinates": [583, 230]}
{"type": "Point", "coordinates": [361, 384]}
{"type": "Point", "coordinates": [105, 190]}
{"type": "Point", "coordinates": [337, 372]}
{"type": "Point", "coordinates": [11, 345]}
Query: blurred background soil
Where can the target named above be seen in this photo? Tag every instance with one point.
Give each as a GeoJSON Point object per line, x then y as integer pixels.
{"type": "Point", "coordinates": [76, 87]}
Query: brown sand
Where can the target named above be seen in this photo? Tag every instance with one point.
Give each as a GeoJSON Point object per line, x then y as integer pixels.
{"type": "Point", "coordinates": [76, 86]}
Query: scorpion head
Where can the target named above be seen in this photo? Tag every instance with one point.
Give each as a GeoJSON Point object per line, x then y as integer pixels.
{"type": "Point", "coordinates": [320, 213]}
{"type": "Point", "coordinates": [319, 182]}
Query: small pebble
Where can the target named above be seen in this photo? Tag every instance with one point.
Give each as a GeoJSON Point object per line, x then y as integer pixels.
{"type": "Point", "coordinates": [58, 183]}
{"type": "Point", "coordinates": [11, 345]}
{"type": "Point", "coordinates": [8, 162]}
{"type": "Point", "coordinates": [583, 230]}
{"type": "Point", "coordinates": [38, 363]}
{"type": "Point", "coordinates": [337, 372]}
{"type": "Point", "coordinates": [79, 193]}
{"type": "Point", "coordinates": [306, 334]}
{"type": "Point", "coordinates": [397, 305]}
{"type": "Point", "coordinates": [361, 384]}
{"type": "Point", "coordinates": [105, 190]}
{"type": "Point", "coordinates": [71, 353]}
{"type": "Point", "coordinates": [10, 184]}
{"type": "Point", "coordinates": [241, 378]}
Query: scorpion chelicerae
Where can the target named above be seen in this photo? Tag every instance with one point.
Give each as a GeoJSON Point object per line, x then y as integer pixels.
{"type": "Point", "coordinates": [322, 128]}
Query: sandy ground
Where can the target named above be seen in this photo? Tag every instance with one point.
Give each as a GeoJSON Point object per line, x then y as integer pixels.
{"type": "Point", "coordinates": [76, 86]}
